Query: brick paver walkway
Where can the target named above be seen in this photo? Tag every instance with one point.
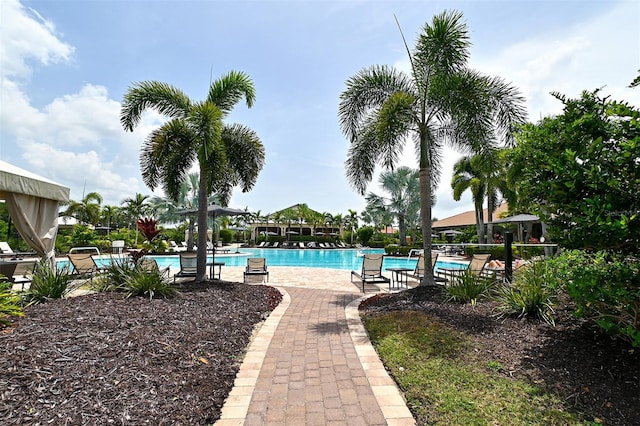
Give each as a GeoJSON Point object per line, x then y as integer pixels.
{"type": "Point", "coordinates": [311, 373]}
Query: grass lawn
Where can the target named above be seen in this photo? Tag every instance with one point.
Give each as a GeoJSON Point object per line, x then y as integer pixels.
{"type": "Point", "coordinates": [446, 382]}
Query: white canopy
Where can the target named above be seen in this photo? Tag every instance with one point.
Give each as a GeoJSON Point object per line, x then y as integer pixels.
{"type": "Point", "coordinates": [32, 202]}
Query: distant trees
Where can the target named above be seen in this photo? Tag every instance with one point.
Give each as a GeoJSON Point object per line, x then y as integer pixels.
{"type": "Point", "coordinates": [403, 200]}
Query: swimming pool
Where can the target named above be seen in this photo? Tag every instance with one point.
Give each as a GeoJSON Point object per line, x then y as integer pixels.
{"type": "Point", "coordinates": [346, 259]}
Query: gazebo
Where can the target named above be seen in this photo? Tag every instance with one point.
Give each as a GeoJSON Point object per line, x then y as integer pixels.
{"type": "Point", "coordinates": [32, 202]}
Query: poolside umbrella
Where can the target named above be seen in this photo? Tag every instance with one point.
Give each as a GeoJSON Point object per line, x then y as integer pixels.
{"type": "Point", "coordinates": [214, 211]}
{"type": "Point", "coordinates": [451, 232]}
{"type": "Point", "coordinates": [518, 219]}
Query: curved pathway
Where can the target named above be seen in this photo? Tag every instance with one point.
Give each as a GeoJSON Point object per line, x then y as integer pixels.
{"type": "Point", "coordinates": [311, 361]}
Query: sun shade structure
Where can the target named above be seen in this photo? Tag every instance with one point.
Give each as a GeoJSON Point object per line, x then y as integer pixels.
{"type": "Point", "coordinates": [518, 218]}
{"type": "Point", "coordinates": [32, 202]}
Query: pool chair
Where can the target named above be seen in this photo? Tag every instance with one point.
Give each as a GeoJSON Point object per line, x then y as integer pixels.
{"type": "Point", "coordinates": [5, 248]}
{"type": "Point", "coordinates": [418, 272]}
{"type": "Point", "coordinates": [260, 245]}
{"type": "Point", "coordinates": [476, 266]}
{"type": "Point", "coordinates": [371, 272]}
{"type": "Point", "coordinates": [151, 266]}
{"type": "Point", "coordinates": [188, 265]}
{"type": "Point", "coordinates": [256, 266]}
{"type": "Point", "coordinates": [84, 265]}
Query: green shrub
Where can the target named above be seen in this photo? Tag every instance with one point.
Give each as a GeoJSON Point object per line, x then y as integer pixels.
{"type": "Point", "coordinates": [226, 235]}
{"type": "Point", "coordinates": [141, 282]}
{"type": "Point", "coordinates": [605, 288]}
{"type": "Point", "coordinates": [47, 283]}
{"type": "Point", "coordinates": [529, 294]}
{"type": "Point", "coordinates": [114, 277]}
{"type": "Point", "coordinates": [9, 303]}
{"type": "Point", "coordinates": [468, 287]}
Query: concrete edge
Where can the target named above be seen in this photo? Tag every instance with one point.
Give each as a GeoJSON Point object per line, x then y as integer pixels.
{"type": "Point", "coordinates": [236, 406]}
{"type": "Point", "coordinates": [390, 399]}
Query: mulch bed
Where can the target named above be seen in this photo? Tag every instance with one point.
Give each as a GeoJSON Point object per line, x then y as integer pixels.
{"type": "Point", "coordinates": [597, 375]}
{"type": "Point", "coordinates": [103, 359]}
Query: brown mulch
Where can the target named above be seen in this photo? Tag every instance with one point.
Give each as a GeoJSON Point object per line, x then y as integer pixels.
{"type": "Point", "coordinates": [103, 359]}
{"type": "Point", "coordinates": [596, 375]}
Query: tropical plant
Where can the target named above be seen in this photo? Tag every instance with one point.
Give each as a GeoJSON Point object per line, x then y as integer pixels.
{"type": "Point", "coordinates": [48, 283]}
{"type": "Point", "coordinates": [141, 282]}
{"type": "Point", "coordinates": [528, 294]}
{"type": "Point", "coordinates": [227, 155]}
{"type": "Point", "coordinates": [87, 210]}
{"type": "Point", "coordinates": [404, 196]}
{"type": "Point", "coordinates": [441, 102]}
{"type": "Point", "coordinates": [114, 276]}
{"type": "Point", "coordinates": [468, 287]}
{"type": "Point", "coordinates": [9, 303]}
{"type": "Point", "coordinates": [579, 172]}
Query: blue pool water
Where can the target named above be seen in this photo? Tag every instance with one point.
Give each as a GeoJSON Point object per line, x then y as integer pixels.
{"type": "Point", "coordinates": [346, 259]}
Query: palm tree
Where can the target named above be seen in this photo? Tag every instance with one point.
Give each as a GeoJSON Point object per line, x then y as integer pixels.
{"type": "Point", "coordinates": [403, 202]}
{"type": "Point", "coordinates": [467, 175]}
{"type": "Point", "coordinates": [352, 222]}
{"type": "Point", "coordinates": [87, 210]}
{"type": "Point", "coordinates": [440, 102]}
{"type": "Point", "coordinates": [227, 155]}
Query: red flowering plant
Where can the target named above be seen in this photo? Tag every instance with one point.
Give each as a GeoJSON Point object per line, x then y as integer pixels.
{"type": "Point", "coordinates": [147, 227]}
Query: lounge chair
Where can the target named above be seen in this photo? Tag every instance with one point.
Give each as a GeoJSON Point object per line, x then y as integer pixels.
{"type": "Point", "coordinates": [312, 244]}
{"type": "Point", "coordinates": [371, 270]}
{"type": "Point", "coordinates": [5, 248]}
{"type": "Point", "coordinates": [476, 266]}
{"type": "Point", "coordinates": [117, 246]}
{"type": "Point", "coordinates": [188, 265]}
{"type": "Point", "coordinates": [84, 264]}
{"type": "Point", "coordinates": [260, 245]}
{"type": "Point", "coordinates": [301, 245]}
{"type": "Point", "coordinates": [7, 269]}
{"type": "Point", "coordinates": [275, 245]}
{"type": "Point", "coordinates": [418, 272]}
{"type": "Point", "coordinates": [150, 265]}
{"type": "Point", "coordinates": [256, 266]}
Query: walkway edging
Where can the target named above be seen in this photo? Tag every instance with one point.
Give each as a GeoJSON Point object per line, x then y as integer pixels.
{"type": "Point", "coordinates": [390, 399]}
{"type": "Point", "coordinates": [236, 406]}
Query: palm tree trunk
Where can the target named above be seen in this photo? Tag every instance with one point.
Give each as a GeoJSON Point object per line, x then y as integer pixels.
{"type": "Point", "coordinates": [402, 229]}
{"type": "Point", "coordinates": [201, 268]}
{"type": "Point", "coordinates": [425, 204]}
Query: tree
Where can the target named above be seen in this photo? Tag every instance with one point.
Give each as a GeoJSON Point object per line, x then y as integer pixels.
{"type": "Point", "coordinates": [467, 175]}
{"type": "Point", "coordinates": [580, 172]}
{"type": "Point", "coordinates": [404, 196]}
{"type": "Point", "coordinates": [441, 102]}
{"type": "Point", "coordinates": [227, 155]}
{"type": "Point", "coordinates": [87, 210]}
{"type": "Point", "coordinates": [352, 222]}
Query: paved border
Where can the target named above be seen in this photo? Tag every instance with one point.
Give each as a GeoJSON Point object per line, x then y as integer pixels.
{"type": "Point", "coordinates": [391, 402]}
{"type": "Point", "coordinates": [387, 394]}
{"type": "Point", "coordinates": [236, 406]}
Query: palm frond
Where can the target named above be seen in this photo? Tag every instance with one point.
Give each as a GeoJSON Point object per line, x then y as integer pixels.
{"type": "Point", "coordinates": [443, 45]}
{"type": "Point", "coordinates": [361, 160]}
{"type": "Point", "coordinates": [366, 91]}
{"type": "Point", "coordinates": [162, 97]}
{"type": "Point", "coordinates": [229, 89]}
{"type": "Point", "coordinates": [245, 153]}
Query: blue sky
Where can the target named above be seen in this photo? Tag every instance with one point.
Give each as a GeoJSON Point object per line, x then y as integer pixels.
{"type": "Point", "coordinates": [65, 66]}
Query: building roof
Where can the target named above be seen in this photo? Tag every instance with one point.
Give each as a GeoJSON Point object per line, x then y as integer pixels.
{"type": "Point", "coordinates": [468, 218]}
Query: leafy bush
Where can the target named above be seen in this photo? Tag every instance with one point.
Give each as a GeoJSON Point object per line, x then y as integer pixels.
{"type": "Point", "coordinates": [114, 277]}
{"type": "Point", "coordinates": [467, 287]}
{"type": "Point", "coordinates": [364, 235]}
{"type": "Point", "coordinates": [47, 283]}
{"type": "Point", "coordinates": [141, 282]}
{"type": "Point", "coordinates": [226, 235]}
{"type": "Point", "coordinates": [9, 303]}
{"type": "Point", "coordinates": [529, 294]}
{"type": "Point", "coordinates": [605, 288]}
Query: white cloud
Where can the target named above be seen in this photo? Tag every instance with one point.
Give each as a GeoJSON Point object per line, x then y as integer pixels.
{"type": "Point", "coordinates": [26, 35]}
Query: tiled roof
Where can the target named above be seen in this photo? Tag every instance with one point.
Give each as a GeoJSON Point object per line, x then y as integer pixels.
{"type": "Point", "coordinates": [468, 218]}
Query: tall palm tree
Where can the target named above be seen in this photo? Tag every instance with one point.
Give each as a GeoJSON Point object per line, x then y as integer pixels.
{"type": "Point", "coordinates": [227, 155]}
{"type": "Point", "coordinates": [352, 221]}
{"type": "Point", "coordinates": [404, 196]}
{"type": "Point", "coordinates": [440, 102]}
